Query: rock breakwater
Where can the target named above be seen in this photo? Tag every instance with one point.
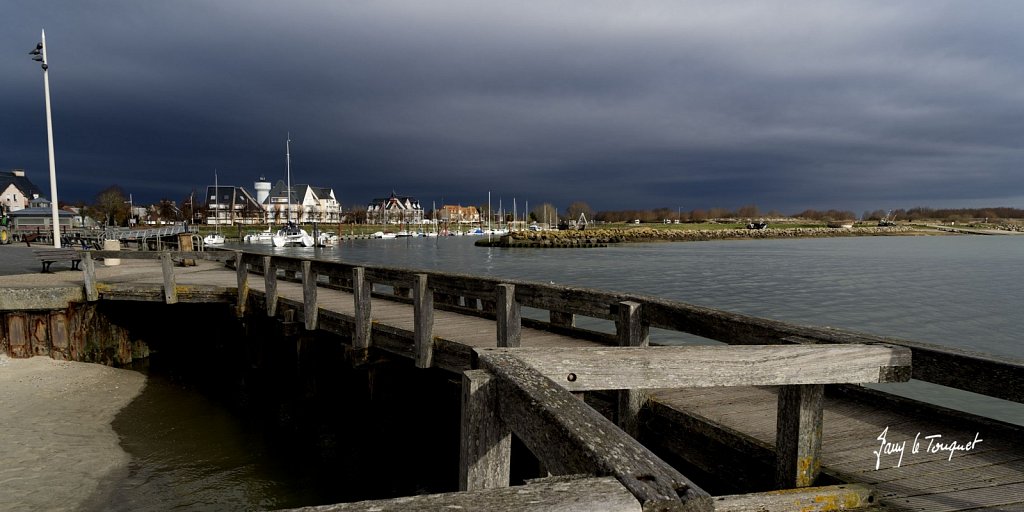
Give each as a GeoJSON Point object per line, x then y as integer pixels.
{"type": "Point", "coordinates": [603, 237]}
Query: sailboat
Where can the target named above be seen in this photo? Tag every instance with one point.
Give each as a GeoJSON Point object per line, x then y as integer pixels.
{"type": "Point", "coordinates": [215, 238]}
{"type": "Point", "coordinates": [291, 234]}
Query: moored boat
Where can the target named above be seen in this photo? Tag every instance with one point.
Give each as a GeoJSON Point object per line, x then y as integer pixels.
{"type": "Point", "coordinates": [259, 237]}
{"type": "Point", "coordinates": [292, 235]}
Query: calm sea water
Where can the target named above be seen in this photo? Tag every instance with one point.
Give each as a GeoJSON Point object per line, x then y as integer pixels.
{"type": "Point", "coordinates": [959, 291]}
{"type": "Point", "coordinates": [963, 291]}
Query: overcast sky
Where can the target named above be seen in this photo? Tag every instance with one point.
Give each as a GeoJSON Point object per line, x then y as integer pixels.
{"type": "Point", "coordinates": [785, 105]}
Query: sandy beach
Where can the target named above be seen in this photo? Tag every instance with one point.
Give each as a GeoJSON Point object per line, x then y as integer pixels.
{"type": "Point", "coordinates": [56, 442]}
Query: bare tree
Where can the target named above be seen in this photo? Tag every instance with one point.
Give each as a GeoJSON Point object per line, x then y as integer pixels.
{"type": "Point", "coordinates": [111, 204]}
{"type": "Point", "coordinates": [579, 207]}
{"type": "Point", "coordinates": [748, 211]}
{"type": "Point", "coordinates": [544, 213]}
{"type": "Point", "coordinates": [166, 210]}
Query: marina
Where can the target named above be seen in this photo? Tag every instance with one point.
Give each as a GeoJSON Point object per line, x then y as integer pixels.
{"type": "Point", "coordinates": [735, 424]}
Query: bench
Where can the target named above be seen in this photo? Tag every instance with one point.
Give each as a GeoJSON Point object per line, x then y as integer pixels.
{"type": "Point", "coordinates": [53, 255]}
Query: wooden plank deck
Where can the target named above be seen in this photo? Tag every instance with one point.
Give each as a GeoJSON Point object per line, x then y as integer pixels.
{"type": "Point", "coordinates": [988, 476]}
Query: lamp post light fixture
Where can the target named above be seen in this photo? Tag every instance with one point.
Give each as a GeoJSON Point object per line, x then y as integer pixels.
{"type": "Point", "coordinates": [39, 55]}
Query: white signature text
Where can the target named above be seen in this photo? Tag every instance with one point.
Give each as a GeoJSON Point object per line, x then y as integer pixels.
{"type": "Point", "coordinates": [895, 450]}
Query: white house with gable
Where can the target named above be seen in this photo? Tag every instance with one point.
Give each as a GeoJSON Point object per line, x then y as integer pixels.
{"type": "Point", "coordinates": [306, 204]}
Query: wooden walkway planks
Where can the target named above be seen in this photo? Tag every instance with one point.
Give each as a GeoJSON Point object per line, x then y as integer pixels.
{"type": "Point", "coordinates": [989, 476]}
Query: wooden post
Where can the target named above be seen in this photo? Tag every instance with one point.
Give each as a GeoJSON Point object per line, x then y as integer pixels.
{"type": "Point", "coordinates": [60, 348]}
{"type": "Point", "coordinates": [509, 316]}
{"type": "Point", "coordinates": [798, 435]}
{"type": "Point", "coordinates": [562, 319]}
{"type": "Point", "coordinates": [18, 335]}
{"type": "Point", "coordinates": [185, 245]}
{"type": "Point", "coordinates": [361, 296]}
{"type": "Point", "coordinates": [632, 332]}
{"type": "Point", "coordinates": [423, 310]}
{"type": "Point", "coordinates": [309, 304]}
{"type": "Point", "coordinates": [242, 274]}
{"type": "Point", "coordinates": [270, 282]}
{"type": "Point", "coordinates": [170, 287]}
{"type": "Point", "coordinates": [486, 442]}
{"type": "Point", "coordinates": [38, 334]}
{"type": "Point", "coordinates": [91, 294]}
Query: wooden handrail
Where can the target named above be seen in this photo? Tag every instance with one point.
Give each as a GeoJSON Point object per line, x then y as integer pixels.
{"type": "Point", "coordinates": [698, 366]}
{"type": "Point", "coordinates": [800, 370]}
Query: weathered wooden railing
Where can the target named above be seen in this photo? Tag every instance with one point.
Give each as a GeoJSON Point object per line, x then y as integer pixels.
{"type": "Point", "coordinates": [938, 365]}
{"type": "Point", "coordinates": [947, 366]}
{"type": "Point", "coordinates": [800, 403]}
{"type": "Point", "coordinates": [528, 392]}
{"type": "Point", "coordinates": [166, 258]}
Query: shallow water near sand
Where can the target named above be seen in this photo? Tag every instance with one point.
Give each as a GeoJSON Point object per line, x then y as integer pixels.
{"type": "Point", "coordinates": [961, 291]}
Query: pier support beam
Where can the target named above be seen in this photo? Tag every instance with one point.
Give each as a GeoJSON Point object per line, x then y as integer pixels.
{"type": "Point", "coordinates": [363, 321]}
{"type": "Point", "coordinates": [242, 274]}
{"type": "Point", "coordinates": [486, 442]}
{"type": "Point", "coordinates": [798, 435]}
{"type": "Point", "coordinates": [309, 303]}
{"type": "Point", "coordinates": [270, 284]}
{"type": "Point", "coordinates": [423, 310]}
{"type": "Point", "coordinates": [632, 332]}
{"type": "Point", "coordinates": [509, 316]}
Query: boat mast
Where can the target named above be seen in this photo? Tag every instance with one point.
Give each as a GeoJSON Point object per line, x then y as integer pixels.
{"type": "Point", "coordinates": [288, 166]}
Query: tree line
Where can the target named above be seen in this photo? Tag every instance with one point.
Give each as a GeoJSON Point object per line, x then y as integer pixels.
{"type": "Point", "coordinates": [753, 212]}
{"type": "Point", "coordinates": [112, 207]}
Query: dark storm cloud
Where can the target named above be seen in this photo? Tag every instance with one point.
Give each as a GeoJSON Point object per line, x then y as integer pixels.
{"type": "Point", "coordinates": [787, 105]}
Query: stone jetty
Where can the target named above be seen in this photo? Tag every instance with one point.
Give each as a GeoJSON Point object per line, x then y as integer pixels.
{"type": "Point", "coordinates": [603, 237]}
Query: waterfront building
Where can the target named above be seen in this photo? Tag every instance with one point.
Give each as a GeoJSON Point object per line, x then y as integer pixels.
{"type": "Point", "coordinates": [306, 204]}
{"type": "Point", "coordinates": [38, 217]}
{"type": "Point", "coordinates": [394, 209]}
{"type": "Point", "coordinates": [16, 190]}
{"type": "Point", "coordinates": [229, 205]}
{"type": "Point", "coordinates": [458, 214]}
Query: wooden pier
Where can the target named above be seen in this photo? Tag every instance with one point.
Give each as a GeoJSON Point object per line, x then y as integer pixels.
{"type": "Point", "coordinates": [773, 419]}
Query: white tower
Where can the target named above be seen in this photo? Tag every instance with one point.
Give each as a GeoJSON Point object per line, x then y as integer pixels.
{"type": "Point", "coordinates": [262, 188]}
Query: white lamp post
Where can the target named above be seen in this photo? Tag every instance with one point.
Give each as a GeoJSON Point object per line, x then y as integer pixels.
{"type": "Point", "coordinates": [39, 55]}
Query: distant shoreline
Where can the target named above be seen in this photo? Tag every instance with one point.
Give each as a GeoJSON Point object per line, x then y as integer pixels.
{"type": "Point", "coordinates": [603, 237]}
